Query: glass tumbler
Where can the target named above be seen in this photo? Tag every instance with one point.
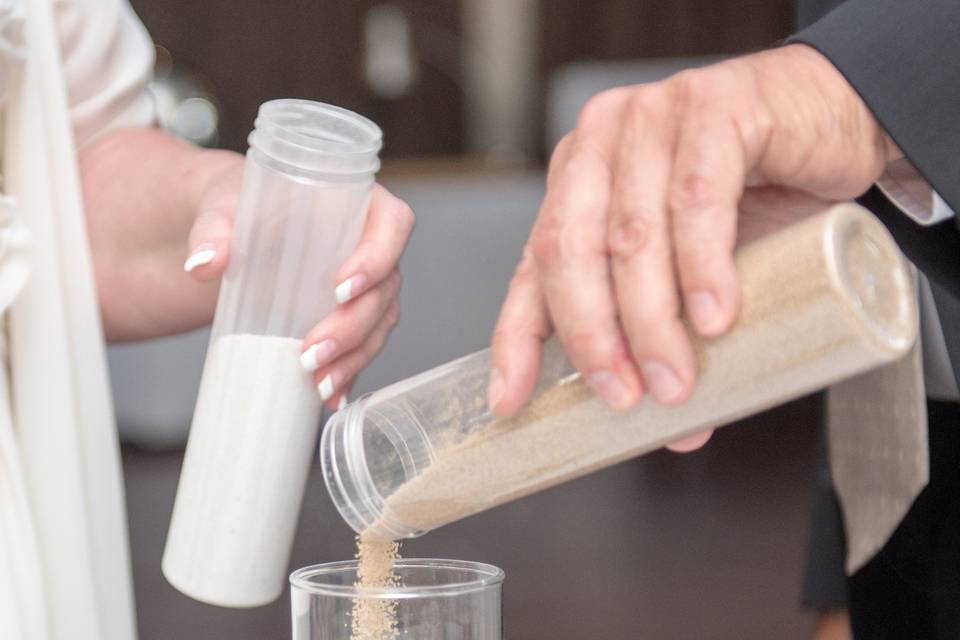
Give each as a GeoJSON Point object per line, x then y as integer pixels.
{"type": "Point", "coordinates": [436, 600]}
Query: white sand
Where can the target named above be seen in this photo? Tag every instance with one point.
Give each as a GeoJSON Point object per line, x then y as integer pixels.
{"type": "Point", "coordinates": [246, 465]}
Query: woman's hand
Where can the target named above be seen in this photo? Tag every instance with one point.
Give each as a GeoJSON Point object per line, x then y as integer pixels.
{"type": "Point", "coordinates": [148, 194]}
{"type": "Point", "coordinates": [144, 190]}
{"type": "Point", "coordinates": [367, 293]}
{"type": "Point", "coordinates": [368, 289]}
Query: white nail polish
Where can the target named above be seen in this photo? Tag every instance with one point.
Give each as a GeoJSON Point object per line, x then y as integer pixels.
{"type": "Point", "coordinates": [326, 387]}
{"type": "Point", "coordinates": [343, 291]}
{"type": "Point", "coordinates": [342, 403]}
{"type": "Point", "coordinates": [204, 254]}
{"type": "Point", "coordinates": [308, 359]}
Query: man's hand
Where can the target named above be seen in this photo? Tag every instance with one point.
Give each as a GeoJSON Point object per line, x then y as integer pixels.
{"type": "Point", "coordinates": [152, 200]}
{"type": "Point", "coordinates": [640, 218]}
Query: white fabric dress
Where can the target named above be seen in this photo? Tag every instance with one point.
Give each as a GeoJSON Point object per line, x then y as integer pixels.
{"type": "Point", "coordinates": [70, 71]}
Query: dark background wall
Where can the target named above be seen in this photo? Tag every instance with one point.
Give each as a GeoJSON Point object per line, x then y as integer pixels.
{"type": "Point", "coordinates": [248, 51]}
{"type": "Point", "coordinates": [627, 29]}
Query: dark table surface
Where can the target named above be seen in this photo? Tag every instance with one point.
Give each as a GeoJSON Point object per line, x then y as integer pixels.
{"type": "Point", "coordinates": [701, 546]}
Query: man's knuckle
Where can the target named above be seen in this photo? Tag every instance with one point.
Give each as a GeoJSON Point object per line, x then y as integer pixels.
{"type": "Point", "coordinates": [686, 83]}
{"type": "Point", "coordinates": [598, 109]}
{"type": "Point", "coordinates": [509, 331]}
{"type": "Point", "coordinates": [527, 267]}
{"type": "Point", "coordinates": [630, 234]}
{"type": "Point", "coordinates": [502, 334]}
{"type": "Point", "coordinates": [645, 103]}
{"type": "Point", "coordinates": [701, 89]}
{"type": "Point", "coordinates": [563, 146]}
{"type": "Point", "coordinates": [560, 153]}
{"type": "Point", "coordinates": [693, 191]}
{"type": "Point", "coordinates": [546, 246]}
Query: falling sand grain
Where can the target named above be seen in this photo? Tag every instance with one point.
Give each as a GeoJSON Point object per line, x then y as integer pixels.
{"type": "Point", "coordinates": [375, 618]}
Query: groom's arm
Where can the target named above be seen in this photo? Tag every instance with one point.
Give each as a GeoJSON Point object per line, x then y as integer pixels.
{"type": "Point", "coordinates": [903, 58]}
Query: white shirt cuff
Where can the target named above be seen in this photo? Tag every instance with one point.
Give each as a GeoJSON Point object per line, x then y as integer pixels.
{"type": "Point", "coordinates": [913, 195]}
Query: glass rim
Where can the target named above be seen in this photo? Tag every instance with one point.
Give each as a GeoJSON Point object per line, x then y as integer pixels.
{"type": "Point", "coordinates": [487, 575]}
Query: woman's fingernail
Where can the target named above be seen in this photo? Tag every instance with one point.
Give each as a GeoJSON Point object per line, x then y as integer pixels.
{"type": "Point", "coordinates": [705, 312]}
{"type": "Point", "coordinates": [342, 403]}
{"type": "Point", "coordinates": [317, 355]}
{"type": "Point", "coordinates": [610, 388]}
{"type": "Point", "coordinates": [350, 287]}
{"type": "Point", "coordinates": [663, 383]}
{"type": "Point", "coordinates": [204, 254]}
{"type": "Point", "coordinates": [495, 388]}
{"type": "Point", "coordinates": [326, 387]}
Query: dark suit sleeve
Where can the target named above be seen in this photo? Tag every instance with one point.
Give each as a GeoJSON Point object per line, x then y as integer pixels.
{"type": "Point", "coordinates": [903, 58]}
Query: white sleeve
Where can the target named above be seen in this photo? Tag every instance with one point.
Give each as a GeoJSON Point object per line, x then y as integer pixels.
{"type": "Point", "coordinates": [912, 194]}
{"type": "Point", "coordinates": [108, 62]}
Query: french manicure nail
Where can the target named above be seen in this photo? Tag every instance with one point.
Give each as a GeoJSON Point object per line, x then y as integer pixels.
{"type": "Point", "coordinates": [705, 311]}
{"type": "Point", "coordinates": [317, 355]}
{"type": "Point", "coordinates": [610, 388]}
{"type": "Point", "coordinates": [349, 288]}
{"type": "Point", "coordinates": [326, 387]}
{"type": "Point", "coordinates": [663, 383]}
{"type": "Point", "coordinates": [204, 254]}
{"type": "Point", "coordinates": [495, 388]}
{"type": "Point", "coordinates": [342, 403]}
